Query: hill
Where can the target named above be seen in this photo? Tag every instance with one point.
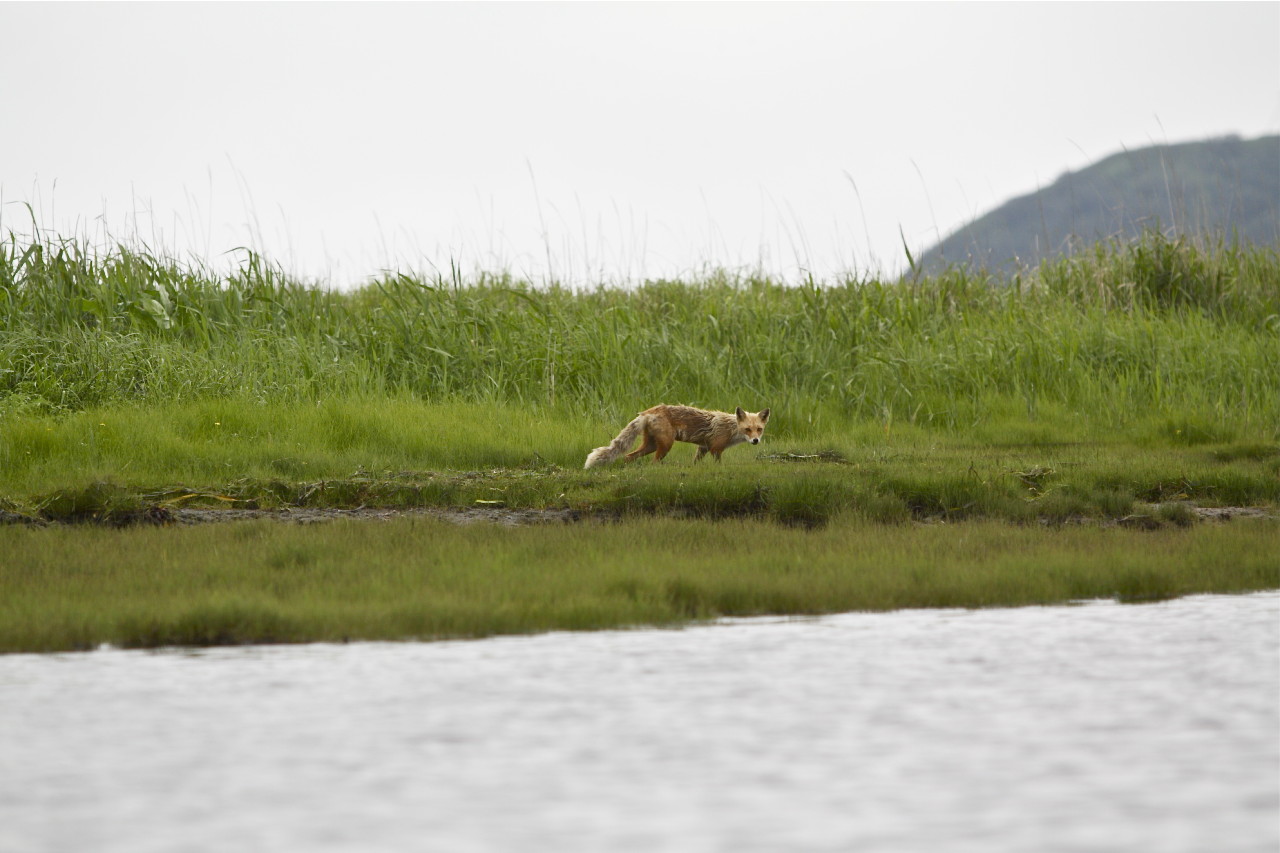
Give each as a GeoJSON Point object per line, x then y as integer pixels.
{"type": "Point", "coordinates": [1225, 186]}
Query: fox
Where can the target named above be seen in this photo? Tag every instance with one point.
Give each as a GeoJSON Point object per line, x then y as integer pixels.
{"type": "Point", "coordinates": [662, 426]}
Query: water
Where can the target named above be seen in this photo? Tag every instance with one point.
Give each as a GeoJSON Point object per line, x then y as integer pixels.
{"type": "Point", "coordinates": [1097, 727]}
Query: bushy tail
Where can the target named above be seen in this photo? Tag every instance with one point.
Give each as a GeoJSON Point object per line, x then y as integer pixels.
{"type": "Point", "coordinates": [617, 447]}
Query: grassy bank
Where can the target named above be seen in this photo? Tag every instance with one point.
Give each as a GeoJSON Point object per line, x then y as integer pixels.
{"type": "Point", "coordinates": [403, 453]}
{"type": "Point", "coordinates": [1140, 372]}
{"type": "Point", "coordinates": [75, 588]}
{"type": "Point", "coordinates": [1029, 415]}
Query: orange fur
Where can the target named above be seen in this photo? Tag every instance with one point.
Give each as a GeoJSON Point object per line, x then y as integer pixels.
{"type": "Point", "coordinates": [662, 426]}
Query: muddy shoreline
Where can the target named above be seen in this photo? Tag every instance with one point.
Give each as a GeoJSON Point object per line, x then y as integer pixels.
{"type": "Point", "coordinates": [190, 516]}
{"type": "Point", "coordinates": [314, 515]}
{"type": "Point", "coordinates": [506, 517]}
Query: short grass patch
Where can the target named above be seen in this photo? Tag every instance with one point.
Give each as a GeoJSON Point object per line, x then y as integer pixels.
{"type": "Point", "coordinates": [416, 454]}
{"type": "Point", "coordinates": [260, 582]}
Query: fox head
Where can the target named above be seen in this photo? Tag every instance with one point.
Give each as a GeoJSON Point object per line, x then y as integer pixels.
{"type": "Point", "coordinates": [751, 425]}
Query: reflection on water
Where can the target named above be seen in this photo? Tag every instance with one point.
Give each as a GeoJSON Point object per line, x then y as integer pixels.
{"type": "Point", "coordinates": [1098, 727]}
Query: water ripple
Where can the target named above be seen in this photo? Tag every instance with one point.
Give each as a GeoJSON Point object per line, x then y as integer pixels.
{"type": "Point", "coordinates": [1093, 727]}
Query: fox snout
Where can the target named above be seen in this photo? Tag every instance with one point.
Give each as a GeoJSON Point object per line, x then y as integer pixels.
{"type": "Point", "coordinates": [755, 440]}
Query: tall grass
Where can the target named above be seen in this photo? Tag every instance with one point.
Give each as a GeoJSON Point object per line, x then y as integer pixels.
{"type": "Point", "coordinates": [1153, 331]}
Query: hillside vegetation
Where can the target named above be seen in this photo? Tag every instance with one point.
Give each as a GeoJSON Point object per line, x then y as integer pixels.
{"type": "Point", "coordinates": [1206, 191]}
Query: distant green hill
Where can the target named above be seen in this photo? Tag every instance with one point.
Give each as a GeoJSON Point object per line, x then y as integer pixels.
{"type": "Point", "coordinates": [1223, 186]}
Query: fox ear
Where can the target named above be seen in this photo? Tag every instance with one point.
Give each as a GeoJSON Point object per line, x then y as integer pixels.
{"type": "Point", "coordinates": [741, 414]}
{"type": "Point", "coordinates": [764, 415]}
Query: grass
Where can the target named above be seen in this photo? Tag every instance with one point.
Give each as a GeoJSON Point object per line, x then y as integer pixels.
{"type": "Point", "coordinates": [119, 462]}
{"type": "Point", "coordinates": [261, 582]}
{"type": "Point", "coordinates": [1159, 330]}
{"type": "Point", "coordinates": [1124, 385]}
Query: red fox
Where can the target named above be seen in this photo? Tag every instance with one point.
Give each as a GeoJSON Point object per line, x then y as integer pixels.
{"type": "Point", "coordinates": [663, 426]}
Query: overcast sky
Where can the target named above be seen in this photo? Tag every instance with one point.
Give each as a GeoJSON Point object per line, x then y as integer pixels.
{"type": "Point", "coordinates": [593, 141]}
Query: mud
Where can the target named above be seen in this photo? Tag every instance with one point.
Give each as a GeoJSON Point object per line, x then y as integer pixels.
{"type": "Point", "coordinates": [1226, 513]}
{"type": "Point", "coordinates": [462, 516]}
{"type": "Point", "coordinates": [502, 516]}
{"type": "Point", "coordinates": [169, 516]}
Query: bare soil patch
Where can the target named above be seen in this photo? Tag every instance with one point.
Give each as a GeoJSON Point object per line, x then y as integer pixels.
{"type": "Point", "coordinates": [304, 515]}
{"type": "Point", "coordinates": [1226, 513]}
{"type": "Point", "coordinates": [159, 514]}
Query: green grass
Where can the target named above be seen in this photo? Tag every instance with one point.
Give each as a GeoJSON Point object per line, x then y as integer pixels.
{"type": "Point", "coordinates": [407, 453]}
{"type": "Point", "coordinates": [934, 442]}
{"type": "Point", "coordinates": [1158, 331]}
{"type": "Point", "coordinates": [75, 588]}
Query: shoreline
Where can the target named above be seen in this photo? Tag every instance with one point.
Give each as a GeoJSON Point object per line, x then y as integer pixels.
{"type": "Point", "coordinates": [162, 516]}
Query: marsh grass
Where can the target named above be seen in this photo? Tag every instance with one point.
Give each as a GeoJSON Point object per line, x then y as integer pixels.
{"type": "Point", "coordinates": [262, 583]}
{"type": "Point", "coordinates": [1157, 336]}
{"type": "Point", "coordinates": [933, 443]}
{"type": "Point", "coordinates": [115, 464]}
{"type": "Point", "coordinates": [136, 371]}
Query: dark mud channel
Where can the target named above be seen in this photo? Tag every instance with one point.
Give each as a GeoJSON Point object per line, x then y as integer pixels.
{"type": "Point", "coordinates": [502, 516]}
{"type": "Point", "coordinates": [185, 517]}
{"type": "Point", "coordinates": [314, 515]}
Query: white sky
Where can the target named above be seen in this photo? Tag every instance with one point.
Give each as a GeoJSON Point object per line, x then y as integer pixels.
{"type": "Point", "coordinates": [593, 141]}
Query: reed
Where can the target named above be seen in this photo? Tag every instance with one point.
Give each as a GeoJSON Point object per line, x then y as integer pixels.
{"type": "Point", "coordinates": [1110, 341]}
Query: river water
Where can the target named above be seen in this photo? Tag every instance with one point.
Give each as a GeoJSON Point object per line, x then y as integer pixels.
{"type": "Point", "coordinates": [1094, 727]}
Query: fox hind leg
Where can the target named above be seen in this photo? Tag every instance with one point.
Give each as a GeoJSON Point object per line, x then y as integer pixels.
{"type": "Point", "coordinates": [646, 447]}
{"type": "Point", "coordinates": [650, 441]}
